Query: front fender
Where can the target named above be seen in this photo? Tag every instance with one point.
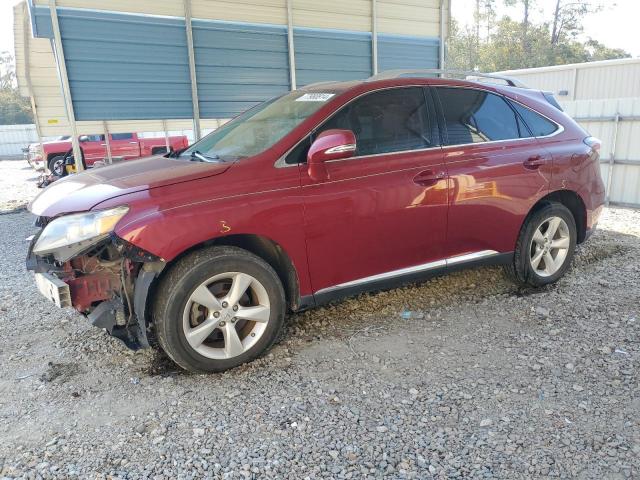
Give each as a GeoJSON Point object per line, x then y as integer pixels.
{"type": "Point", "coordinates": [167, 230]}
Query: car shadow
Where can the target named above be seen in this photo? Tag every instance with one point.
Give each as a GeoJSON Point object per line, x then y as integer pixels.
{"type": "Point", "coordinates": [424, 301]}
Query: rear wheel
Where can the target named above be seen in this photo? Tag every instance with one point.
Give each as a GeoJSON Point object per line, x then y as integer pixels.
{"type": "Point", "coordinates": [218, 308]}
{"type": "Point", "coordinates": [545, 246]}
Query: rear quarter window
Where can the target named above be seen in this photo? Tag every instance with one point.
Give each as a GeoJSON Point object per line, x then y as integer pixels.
{"type": "Point", "coordinates": [538, 125]}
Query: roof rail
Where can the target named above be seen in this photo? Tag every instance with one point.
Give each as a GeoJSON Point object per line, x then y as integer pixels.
{"type": "Point", "coordinates": [424, 72]}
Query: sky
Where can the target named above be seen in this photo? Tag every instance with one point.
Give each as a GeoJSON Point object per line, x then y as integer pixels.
{"type": "Point", "coordinates": [616, 26]}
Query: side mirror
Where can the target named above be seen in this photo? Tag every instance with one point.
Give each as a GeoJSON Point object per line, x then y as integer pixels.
{"type": "Point", "coordinates": [330, 145]}
{"type": "Point", "coordinates": [83, 138]}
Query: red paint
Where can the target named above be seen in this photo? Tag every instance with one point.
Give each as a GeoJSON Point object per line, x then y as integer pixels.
{"type": "Point", "coordinates": [331, 145]}
{"type": "Point", "coordinates": [94, 287]}
{"type": "Point", "coordinates": [491, 191]}
{"type": "Point", "coordinates": [94, 284]}
{"type": "Point", "coordinates": [357, 217]}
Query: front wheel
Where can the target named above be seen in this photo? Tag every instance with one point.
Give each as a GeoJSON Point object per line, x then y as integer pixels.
{"type": "Point", "coordinates": [57, 165]}
{"type": "Point", "coordinates": [218, 308]}
{"type": "Point", "coordinates": [545, 246]}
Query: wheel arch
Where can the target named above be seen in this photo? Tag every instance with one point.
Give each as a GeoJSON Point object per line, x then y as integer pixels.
{"type": "Point", "coordinates": [573, 202]}
{"type": "Point", "coordinates": [52, 155]}
{"type": "Point", "coordinates": [265, 248]}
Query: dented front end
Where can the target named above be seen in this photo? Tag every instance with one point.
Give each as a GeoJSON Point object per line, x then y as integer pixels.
{"type": "Point", "coordinates": [107, 281]}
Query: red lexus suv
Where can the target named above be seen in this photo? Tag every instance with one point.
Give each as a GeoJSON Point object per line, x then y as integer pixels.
{"type": "Point", "coordinates": [324, 192]}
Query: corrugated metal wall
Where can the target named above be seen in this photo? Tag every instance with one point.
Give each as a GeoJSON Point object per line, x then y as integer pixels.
{"type": "Point", "coordinates": [604, 97]}
{"type": "Point", "coordinates": [333, 14]}
{"type": "Point", "coordinates": [238, 65]}
{"type": "Point", "coordinates": [14, 137]}
{"type": "Point", "coordinates": [584, 81]}
{"type": "Point", "coordinates": [325, 55]}
{"type": "Point", "coordinates": [409, 17]}
{"type": "Point", "coordinates": [272, 12]}
{"type": "Point", "coordinates": [124, 66]}
{"type": "Point", "coordinates": [34, 57]}
{"type": "Point", "coordinates": [609, 81]}
{"type": "Point", "coordinates": [401, 51]}
{"type": "Point", "coordinates": [621, 145]}
{"type": "Point", "coordinates": [129, 60]}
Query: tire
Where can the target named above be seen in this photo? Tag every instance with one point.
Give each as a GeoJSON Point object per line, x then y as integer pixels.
{"type": "Point", "coordinates": [56, 165]}
{"type": "Point", "coordinates": [208, 275]}
{"type": "Point", "coordinates": [532, 251]}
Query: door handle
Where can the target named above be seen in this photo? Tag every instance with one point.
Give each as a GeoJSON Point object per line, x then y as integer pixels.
{"type": "Point", "coordinates": [133, 143]}
{"type": "Point", "coordinates": [428, 178]}
{"type": "Point", "coordinates": [535, 161]}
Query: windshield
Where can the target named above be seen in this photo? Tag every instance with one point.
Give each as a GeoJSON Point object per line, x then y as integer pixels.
{"type": "Point", "coordinates": [258, 128]}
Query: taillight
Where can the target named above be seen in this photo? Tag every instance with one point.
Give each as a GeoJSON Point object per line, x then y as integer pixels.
{"type": "Point", "coordinates": [593, 142]}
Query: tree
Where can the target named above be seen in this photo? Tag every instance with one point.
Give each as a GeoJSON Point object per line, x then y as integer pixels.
{"type": "Point", "coordinates": [568, 16]}
{"type": "Point", "coordinates": [463, 49]}
{"type": "Point", "coordinates": [598, 51]}
{"type": "Point", "coordinates": [484, 13]}
{"type": "Point", "coordinates": [14, 109]}
{"type": "Point", "coordinates": [527, 5]}
{"type": "Point", "coordinates": [512, 44]}
{"type": "Point", "coordinates": [506, 50]}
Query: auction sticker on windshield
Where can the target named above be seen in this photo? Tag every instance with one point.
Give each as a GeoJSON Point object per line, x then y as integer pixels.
{"type": "Point", "coordinates": [315, 97]}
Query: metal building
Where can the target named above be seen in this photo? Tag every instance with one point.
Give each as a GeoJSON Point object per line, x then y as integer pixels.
{"type": "Point", "coordinates": [605, 98]}
{"type": "Point", "coordinates": [150, 65]}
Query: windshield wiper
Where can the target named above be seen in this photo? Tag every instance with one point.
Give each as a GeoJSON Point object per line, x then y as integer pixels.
{"type": "Point", "coordinates": [202, 157]}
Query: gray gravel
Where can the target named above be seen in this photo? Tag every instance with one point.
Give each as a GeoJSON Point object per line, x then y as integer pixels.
{"type": "Point", "coordinates": [482, 381]}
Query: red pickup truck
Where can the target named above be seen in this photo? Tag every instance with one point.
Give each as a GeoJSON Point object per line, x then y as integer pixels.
{"type": "Point", "coordinates": [126, 146]}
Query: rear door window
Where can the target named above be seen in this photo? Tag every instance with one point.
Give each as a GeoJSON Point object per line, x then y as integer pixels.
{"type": "Point", "coordinates": [477, 116]}
{"type": "Point", "coordinates": [538, 125]}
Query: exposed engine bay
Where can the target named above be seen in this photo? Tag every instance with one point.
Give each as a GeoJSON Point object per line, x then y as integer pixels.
{"type": "Point", "coordinates": [108, 282]}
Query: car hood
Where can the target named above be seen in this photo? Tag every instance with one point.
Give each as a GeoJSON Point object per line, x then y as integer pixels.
{"type": "Point", "coordinates": [81, 192]}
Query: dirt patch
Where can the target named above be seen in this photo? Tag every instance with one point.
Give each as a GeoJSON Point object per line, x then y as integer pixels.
{"type": "Point", "coordinates": [60, 372]}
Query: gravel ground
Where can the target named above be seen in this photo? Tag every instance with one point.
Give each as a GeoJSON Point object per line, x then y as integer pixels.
{"type": "Point", "coordinates": [483, 381]}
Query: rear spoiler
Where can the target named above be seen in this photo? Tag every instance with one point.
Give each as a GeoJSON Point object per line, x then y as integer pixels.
{"type": "Point", "coordinates": [552, 100]}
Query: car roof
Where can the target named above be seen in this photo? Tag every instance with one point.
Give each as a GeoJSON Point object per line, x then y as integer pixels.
{"type": "Point", "coordinates": [531, 97]}
{"type": "Point", "coordinates": [374, 83]}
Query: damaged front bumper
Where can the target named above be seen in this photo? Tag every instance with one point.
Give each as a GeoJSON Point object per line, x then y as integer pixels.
{"type": "Point", "coordinates": [108, 282]}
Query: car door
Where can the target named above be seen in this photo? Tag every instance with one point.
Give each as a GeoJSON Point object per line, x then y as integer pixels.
{"type": "Point", "coordinates": [124, 145]}
{"type": "Point", "coordinates": [382, 213]}
{"type": "Point", "coordinates": [93, 148]}
{"type": "Point", "coordinates": [497, 171]}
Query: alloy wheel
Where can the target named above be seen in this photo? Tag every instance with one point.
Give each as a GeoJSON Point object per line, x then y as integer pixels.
{"type": "Point", "coordinates": [226, 315]}
{"type": "Point", "coordinates": [58, 167]}
{"type": "Point", "coordinates": [550, 246]}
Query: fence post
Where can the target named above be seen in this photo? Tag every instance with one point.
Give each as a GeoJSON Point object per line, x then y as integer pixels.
{"type": "Point", "coordinates": [27, 71]}
{"type": "Point", "coordinates": [290, 46]}
{"type": "Point", "coordinates": [107, 141]}
{"type": "Point", "coordinates": [62, 68]}
{"type": "Point", "coordinates": [374, 36]}
{"type": "Point", "coordinates": [192, 70]}
{"type": "Point", "coordinates": [441, 53]}
{"type": "Point", "coordinates": [612, 157]}
{"type": "Point", "coordinates": [166, 136]}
